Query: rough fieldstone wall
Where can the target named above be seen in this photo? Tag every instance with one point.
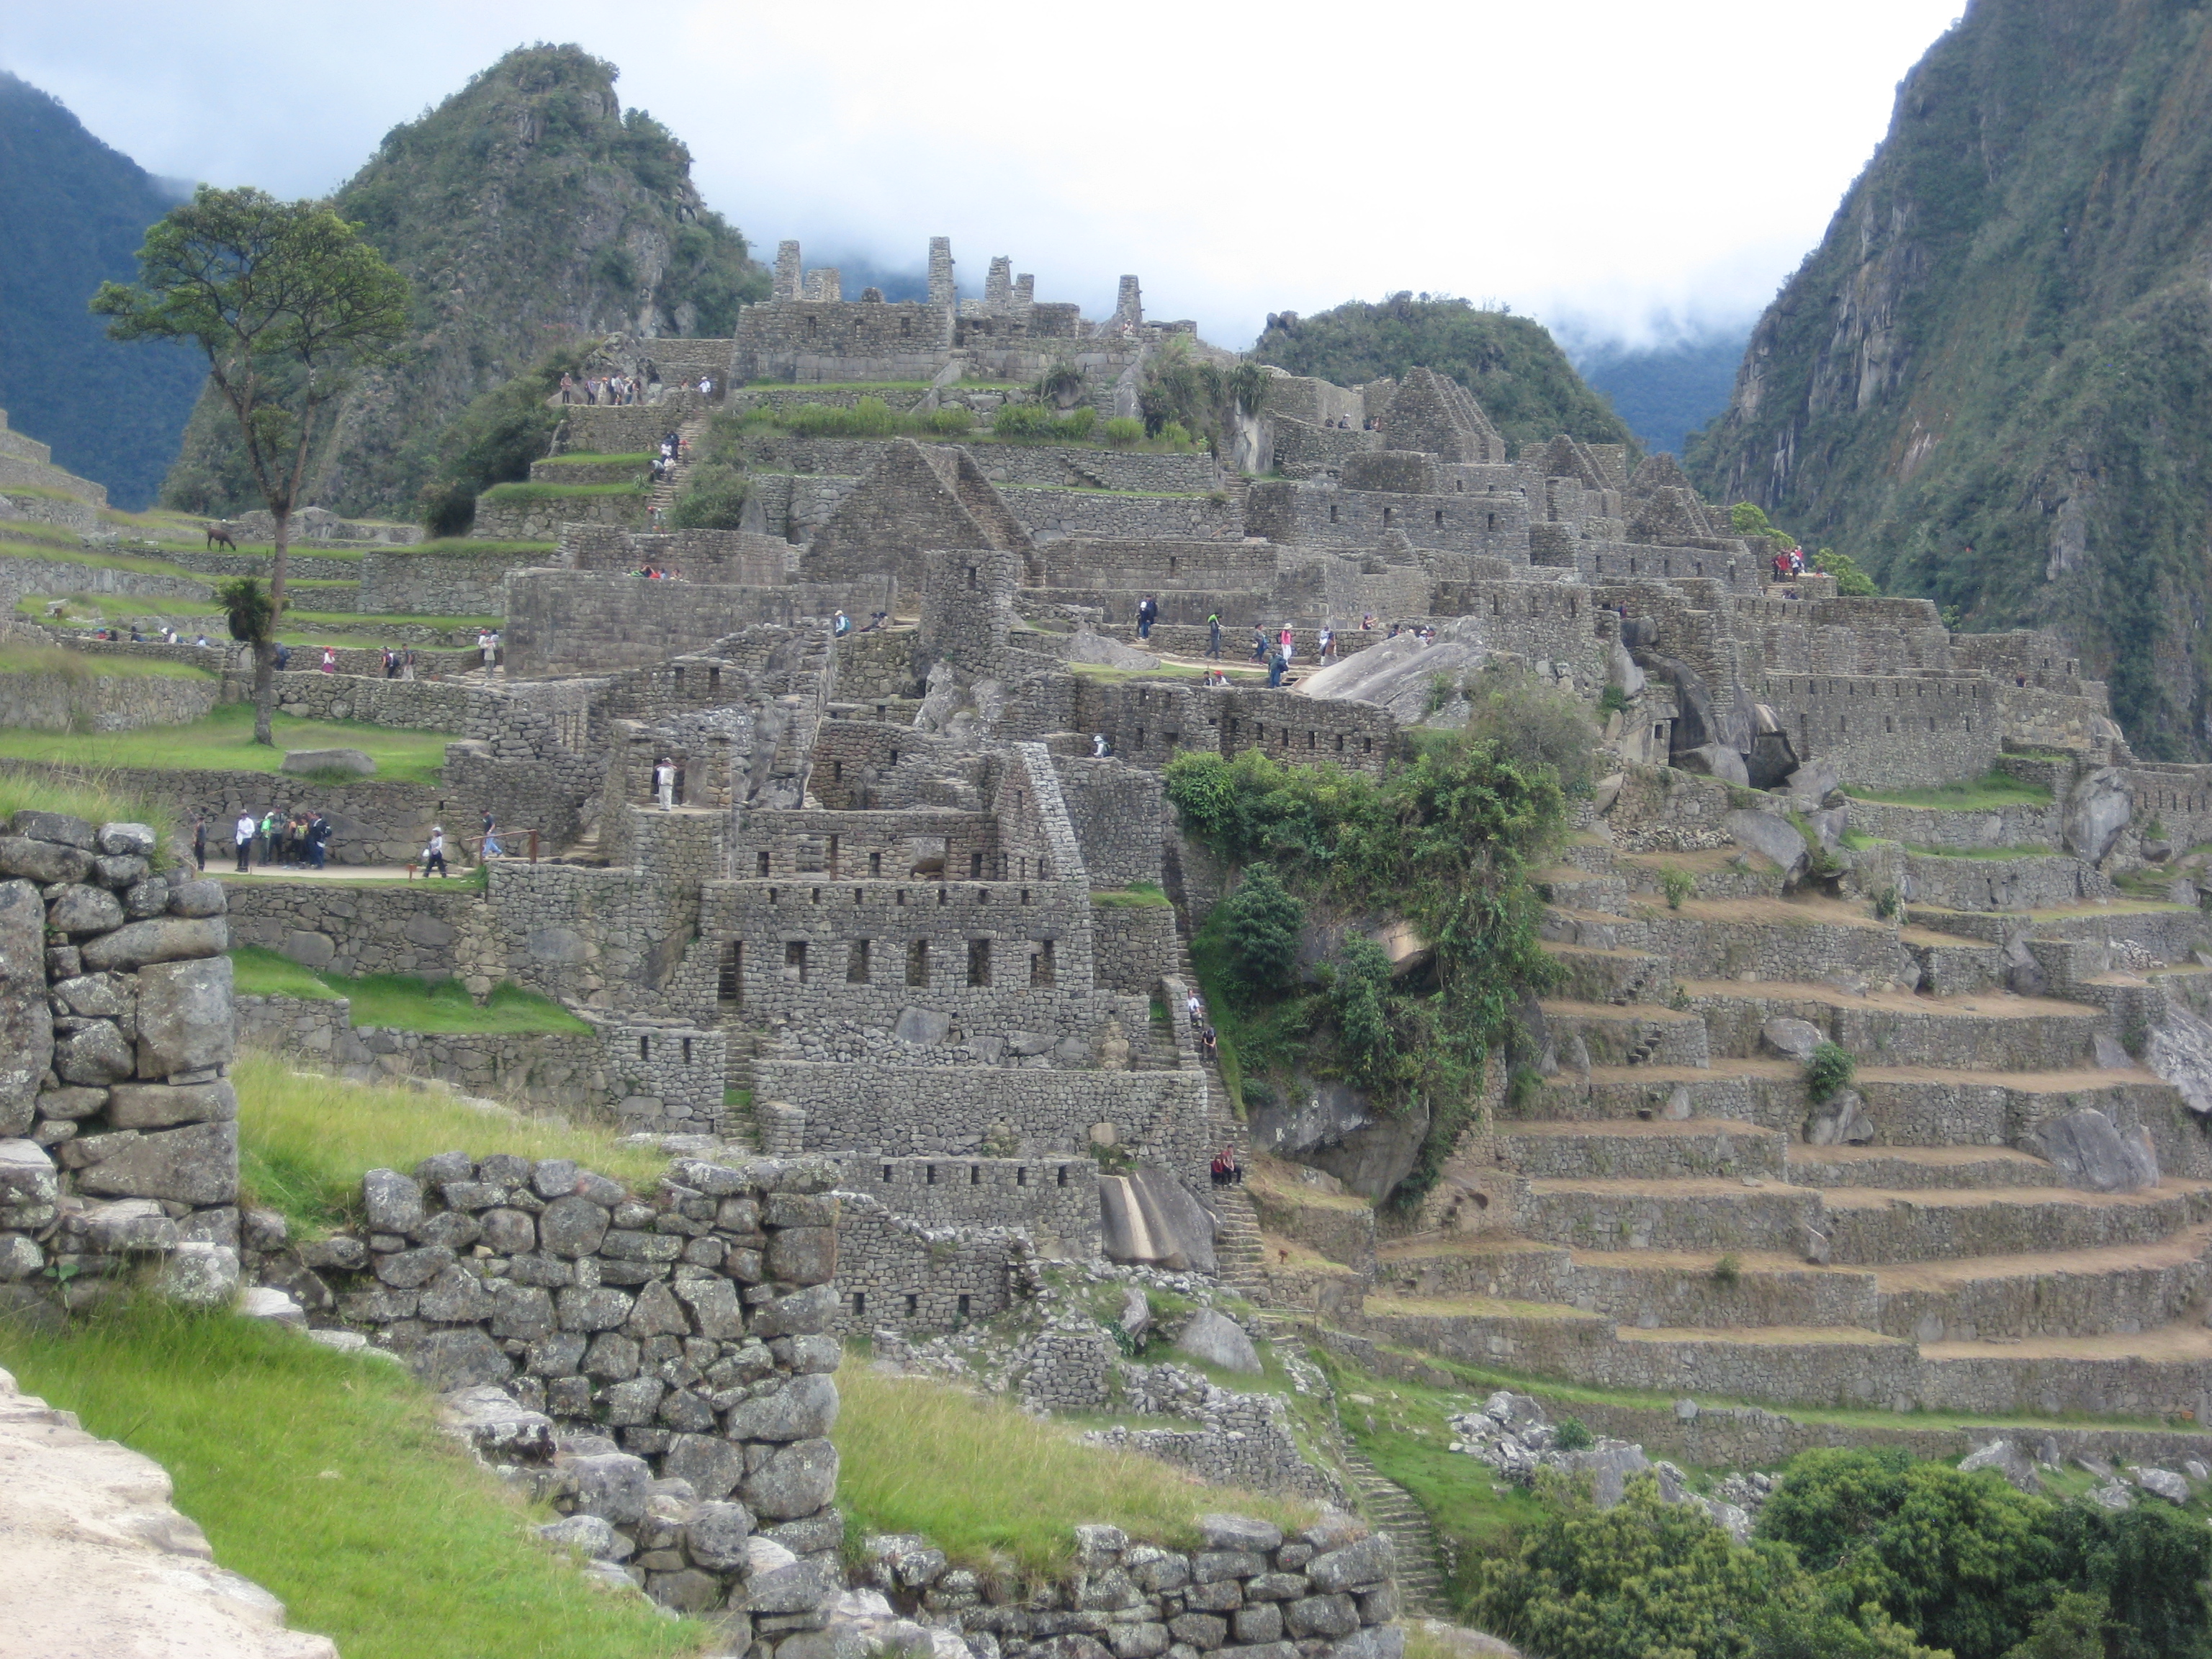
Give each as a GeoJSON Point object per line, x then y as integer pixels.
{"type": "Point", "coordinates": [414, 705]}
{"type": "Point", "coordinates": [1242, 1440]}
{"type": "Point", "coordinates": [560, 622]}
{"type": "Point", "coordinates": [19, 579]}
{"type": "Point", "coordinates": [118, 1127]}
{"type": "Point", "coordinates": [410, 584]}
{"type": "Point", "coordinates": [682, 1333]}
{"type": "Point", "coordinates": [416, 929]}
{"type": "Point", "coordinates": [1051, 514]}
{"type": "Point", "coordinates": [1134, 945]}
{"type": "Point", "coordinates": [1117, 812]}
{"type": "Point", "coordinates": [101, 702]}
{"type": "Point", "coordinates": [899, 1272]}
{"type": "Point", "coordinates": [540, 519]}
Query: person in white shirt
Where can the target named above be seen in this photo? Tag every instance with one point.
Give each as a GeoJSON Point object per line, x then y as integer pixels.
{"type": "Point", "coordinates": [244, 831]}
{"type": "Point", "coordinates": [664, 783]}
{"type": "Point", "coordinates": [434, 855]}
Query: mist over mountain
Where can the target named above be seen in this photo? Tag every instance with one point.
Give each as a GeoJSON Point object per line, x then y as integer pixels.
{"type": "Point", "coordinates": [1665, 390]}
{"type": "Point", "coordinates": [1992, 380]}
{"type": "Point", "coordinates": [73, 213]}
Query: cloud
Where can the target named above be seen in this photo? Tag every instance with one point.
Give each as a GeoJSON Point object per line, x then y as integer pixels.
{"type": "Point", "coordinates": [1613, 163]}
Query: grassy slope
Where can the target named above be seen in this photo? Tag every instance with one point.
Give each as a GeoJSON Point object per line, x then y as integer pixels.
{"type": "Point", "coordinates": [326, 1479]}
{"type": "Point", "coordinates": [1983, 794]}
{"type": "Point", "coordinates": [403, 1000]}
{"type": "Point", "coordinates": [18, 658]}
{"type": "Point", "coordinates": [224, 742]}
{"type": "Point", "coordinates": [305, 1138]}
{"type": "Point", "coordinates": [989, 1483]}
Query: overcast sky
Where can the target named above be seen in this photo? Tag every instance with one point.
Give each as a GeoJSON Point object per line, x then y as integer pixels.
{"type": "Point", "coordinates": [1610, 163]}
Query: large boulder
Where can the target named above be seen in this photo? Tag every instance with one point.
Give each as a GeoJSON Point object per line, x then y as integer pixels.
{"type": "Point", "coordinates": [1775, 838]}
{"type": "Point", "coordinates": [185, 1020]}
{"type": "Point", "coordinates": [2096, 812]}
{"type": "Point", "coordinates": [27, 1022]}
{"type": "Point", "coordinates": [1218, 1341]}
{"type": "Point", "coordinates": [2180, 1052]}
{"type": "Point", "coordinates": [1790, 1039]}
{"type": "Point", "coordinates": [1149, 1218]}
{"type": "Point", "coordinates": [2095, 1154]}
{"type": "Point", "coordinates": [1713, 760]}
{"type": "Point", "coordinates": [1331, 1125]}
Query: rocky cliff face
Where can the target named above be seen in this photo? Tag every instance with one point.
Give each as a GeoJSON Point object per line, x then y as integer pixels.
{"type": "Point", "coordinates": [527, 211]}
{"type": "Point", "coordinates": [1992, 380]}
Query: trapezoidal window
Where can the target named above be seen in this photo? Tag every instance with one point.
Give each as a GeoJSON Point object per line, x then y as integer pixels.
{"type": "Point", "coordinates": [917, 963]}
{"type": "Point", "coordinates": [794, 959]}
{"type": "Point", "coordinates": [1041, 966]}
{"type": "Point", "coordinates": [856, 962]}
{"type": "Point", "coordinates": [979, 962]}
{"type": "Point", "coordinates": [730, 978]}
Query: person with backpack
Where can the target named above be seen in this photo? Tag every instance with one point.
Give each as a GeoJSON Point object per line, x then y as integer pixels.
{"type": "Point", "coordinates": [1214, 635]}
{"type": "Point", "coordinates": [242, 834]}
{"type": "Point", "coordinates": [318, 841]}
{"type": "Point", "coordinates": [1148, 613]}
{"type": "Point", "coordinates": [434, 854]}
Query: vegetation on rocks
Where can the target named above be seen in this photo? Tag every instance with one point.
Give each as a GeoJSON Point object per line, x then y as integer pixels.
{"type": "Point", "coordinates": [402, 1000]}
{"type": "Point", "coordinates": [223, 742]}
{"type": "Point", "coordinates": [1511, 364]}
{"type": "Point", "coordinates": [1445, 843]}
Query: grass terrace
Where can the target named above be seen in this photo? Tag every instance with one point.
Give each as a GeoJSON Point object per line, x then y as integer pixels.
{"type": "Point", "coordinates": [223, 742]}
{"type": "Point", "coordinates": [501, 493]}
{"type": "Point", "coordinates": [578, 458]}
{"type": "Point", "coordinates": [306, 1138]}
{"type": "Point", "coordinates": [403, 1000]}
{"type": "Point", "coordinates": [98, 799]}
{"type": "Point", "coordinates": [59, 659]}
{"type": "Point", "coordinates": [988, 1484]}
{"type": "Point", "coordinates": [1140, 896]}
{"type": "Point", "coordinates": [1992, 790]}
{"type": "Point", "coordinates": [488, 544]}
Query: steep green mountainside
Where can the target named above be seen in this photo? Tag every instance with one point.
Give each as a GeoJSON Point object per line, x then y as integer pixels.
{"type": "Point", "coordinates": [1665, 392]}
{"type": "Point", "coordinates": [72, 214]}
{"type": "Point", "coordinates": [528, 210]}
{"type": "Point", "coordinates": [1992, 380]}
{"type": "Point", "coordinates": [1511, 364]}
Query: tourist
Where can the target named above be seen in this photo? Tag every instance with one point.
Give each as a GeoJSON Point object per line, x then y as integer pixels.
{"type": "Point", "coordinates": [1367, 623]}
{"type": "Point", "coordinates": [319, 840]}
{"type": "Point", "coordinates": [283, 656]}
{"type": "Point", "coordinates": [568, 389]}
{"type": "Point", "coordinates": [1393, 634]}
{"type": "Point", "coordinates": [1277, 664]}
{"type": "Point", "coordinates": [267, 836]}
{"type": "Point", "coordinates": [1148, 613]}
{"type": "Point", "coordinates": [199, 844]}
{"type": "Point", "coordinates": [664, 783]}
{"type": "Point", "coordinates": [1100, 749]}
{"type": "Point", "coordinates": [1285, 639]}
{"type": "Point", "coordinates": [1195, 1009]}
{"type": "Point", "coordinates": [840, 625]}
{"type": "Point", "coordinates": [1225, 1172]}
{"type": "Point", "coordinates": [498, 656]}
{"type": "Point", "coordinates": [390, 663]}
{"type": "Point", "coordinates": [483, 646]}
{"type": "Point", "coordinates": [434, 855]}
{"type": "Point", "coordinates": [407, 663]}
{"type": "Point", "coordinates": [1213, 1046]}
{"type": "Point", "coordinates": [1214, 635]}
{"type": "Point", "coordinates": [1327, 643]}
{"type": "Point", "coordinates": [1259, 644]}
{"type": "Point", "coordinates": [330, 659]}
{"type": "Point", "coordinates": [242, 836]}
{"type": "Point", "coordinates": [490, 849]}
{"type": "Point", "coordinates": [200, 642]}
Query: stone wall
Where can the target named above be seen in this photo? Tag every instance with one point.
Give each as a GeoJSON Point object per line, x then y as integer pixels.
{"type": "Point", "coordinates": [679, 1333]}
{"type": "Point", "coordinates": [22, 578]}
{"type": "Point", "coordinates": [103, 703]}
{"type": "Point", "coordinates": [415, 705]}
{"type": "Point", "coordinates": [118, 1127]}
{"type": "Point", "coordinates": [1050, 514]}
{"type": "Point", "coordinates": [416, 929]}
{"type": "Point", "coordinates": [1132, 946]}
{"type": "Point", "coordinates": [411, 584]}
{"type": "Point", "coordinates": [1242, 1440]}
{"type": "Point", "coordinates": [1117, 813]}
{"type": "Point", "coordinates": [565, 622]}
{"type": "Point", "coordinates": [536, 518]}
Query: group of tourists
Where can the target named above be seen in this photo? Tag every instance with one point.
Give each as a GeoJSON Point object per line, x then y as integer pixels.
{"type": "Point", "coordinates": [611, 389]}
{"type": "Point", "coordinates": [166, 636]}
{"type": "Point", "coordinates": [1343, 423]}
{"type": "Point", "coordinates": [653, 573]}
{"type": "Point", "coordinates": [399, 664]}
{"type": "Point", "coordinates": [1789, 562]}
{"type": "Point", "coordinates": [488, 646]}
{"type": "Point", "coordinates": [674, 451]}
{"type": "Point", "coordinates": [297, 840]}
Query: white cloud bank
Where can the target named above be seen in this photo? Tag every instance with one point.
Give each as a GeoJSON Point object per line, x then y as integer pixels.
{"type": "Point", "coordinates": [1607, 164]}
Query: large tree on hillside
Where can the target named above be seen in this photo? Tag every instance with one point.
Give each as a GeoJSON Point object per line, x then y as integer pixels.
{"type": "Point", "coordinates": [287, 301]}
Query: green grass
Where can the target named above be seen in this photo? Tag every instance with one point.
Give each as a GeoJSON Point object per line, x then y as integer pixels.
{"type": "Point", "coordinates": [1993, 789]}
{"type": "Point", "coordinates": [2027, 850]}
{"type": "Point", "coordinates": [991, 1486]}
{"type": "Point", "coordinates": [72, 554]}
{"type": "Point", "coordinates": [101, 798]}
{"type": "Point", "coordinates": [57, 659]}
{"type": "Point", "coordinates": [326, 1479]}
{"type": "Point", "coordinates": [224, 742]}
{"type": "Point", "coordinates": [502, 492]}
{"type": "Point", "coordinates": [305, 1140]}
{"type": "Point", "coordinates": [475, 544]}
{"type": "Point", "coordinates": [578, 458]}
{"type": "Point", "coordinates": [1138, 896]}
{"type": "Point", "coordinates": [402, 999]}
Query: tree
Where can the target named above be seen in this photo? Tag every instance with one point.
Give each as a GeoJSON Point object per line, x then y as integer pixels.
{"type": "Point", "coordinates": [249, 609]}
{"type": "Point", "coordinates": [1263, 919]}
{"type": "Point", "coordinates": [286, 299]}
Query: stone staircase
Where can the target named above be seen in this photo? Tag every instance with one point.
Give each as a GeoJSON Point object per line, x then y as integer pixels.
{"type": "Point", "coordinates": [1672, 1226]}
{"type": "Point", "coordinates": [692, 431]}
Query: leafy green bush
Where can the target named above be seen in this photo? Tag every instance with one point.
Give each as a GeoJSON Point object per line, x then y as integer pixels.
{"type": "Point", "coordinates": [1611, 701]}
{"type": "Point", "coordinates": [1830, 1071]}
{"type": "Point", "coordinates": [1677, 885]}
{"type": "Point", "coordinates": [1850, 581]}
{"type": "Point", "coordinates": [1262, 920]}
{"type": "Point", "coordinates": [492, 441]}
{"type": "Point", "coordinates": [1887, 902]}
{"type": "Point", "coordinates": [1125, 430]}
{"type": "Point", "coordinates": [1573, 1435]}
{"type": "Point", "coordinates": [1534, 724]}
{"type": "Point", "coordinates": [1039, 423]}
{"type": "Point", "coordinates": [1728, 1273]}
{"type": "Point", "coordinates": [1358, 996]}
{"type": "Point", "coordinates": [714, 499]}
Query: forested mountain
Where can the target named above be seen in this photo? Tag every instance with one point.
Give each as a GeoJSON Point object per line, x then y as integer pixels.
{"type": "Point", "coordinates": [1992, 380]}
{"type": "Point", "coordinates": [1665, 392]}
{"type": "Point", "coordinates": [72, 214]}
{"type": "Point", "coordinates": [528, 211]}
{"type": "Point", "coordinates": [1511, 364]}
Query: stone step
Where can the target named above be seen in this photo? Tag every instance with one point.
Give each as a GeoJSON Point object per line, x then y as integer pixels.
{"type": "Point", "coordinates": [1579, 889]}
{"type": "Point", "coordinates": [1685, 1214]}
{"type": "Point", "coordinates": [1588, 850]}
{"type": "Point", "coordinates": [1721, 873]}
{"type": "Point", "coordinates": [1643, 1035]}
{"type": "Point", "coordinates": [1938, 1106]}
{"type": "Point", "coordinates": [2117, 1289]}
{"type": "Point", "coordinates": [1918, 1168]}
{"type": "Point", "coordinates": [1953, 963]}
{"type": "Point", "coordinates": [2031, 881]}
{"type": "Point", "coordinates": [1772, 939]}
{"type": "Point", "coordinates": [1994, 1032]}
{"type": "Point", "coordinates": [2168, 931]}
{"type": "Point", "coordinates": [1867, 1226]}
{"type": "Point", "coordinates": [1661, 1148]}
{"type": "Point", "coordinates": [2165, 1371]}
{"type": "Point", "coordinates": [1598, 930]}
{"type": "Point", "coordinates": [1590, 974]}
{"type": "Point", "coordinates": [1733, 1089]}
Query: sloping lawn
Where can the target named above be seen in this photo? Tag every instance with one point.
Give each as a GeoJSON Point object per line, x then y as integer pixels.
{"type": "Point", "coordinates": [223, 742]}
{"type": "Point", "coordinates": [326, 1479]}
{"type": "Point", "coordinates": [402, 999]}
